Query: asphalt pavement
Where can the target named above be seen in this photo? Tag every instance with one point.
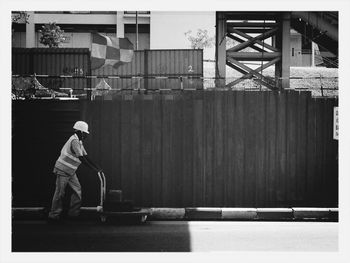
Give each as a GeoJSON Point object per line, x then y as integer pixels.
{"type": "Point", "coordinates": [174, 236]}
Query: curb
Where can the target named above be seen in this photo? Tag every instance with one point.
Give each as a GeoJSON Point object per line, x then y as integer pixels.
{"type": "Point", "coordinates": [206, 213]}
{"type": "Point", "coordinates": [304, 213]}
{"type": "Point", "coordinates": [334, 214]}
{"type": "Point", "coordinates": [275, 213]}
{"type": "Point", "coordinates": [202, 213]}
{"type": "Point", "coordinates": [167, 213]}
{"type": "Point", "coordinates": [239, 213]}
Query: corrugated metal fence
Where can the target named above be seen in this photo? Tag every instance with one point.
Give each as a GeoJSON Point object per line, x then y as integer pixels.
{"type": "Point", "coordinates": [39, 130]}
{"type": "Point", "coordinates": [157, 69]}
{"type": "Point", "coordinates": [157, 63]}
{"type": "Point", "coordinates": [54, 62]}
{"type": "Point", "coordinates": [194, 148]}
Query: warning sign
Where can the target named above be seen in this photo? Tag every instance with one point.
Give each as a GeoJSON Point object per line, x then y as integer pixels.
{"type": "Point", "coordinates": [335, 124]}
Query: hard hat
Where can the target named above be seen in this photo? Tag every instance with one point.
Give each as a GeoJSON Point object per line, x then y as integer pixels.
{"type": "Point", "coordinates": [81, 126]}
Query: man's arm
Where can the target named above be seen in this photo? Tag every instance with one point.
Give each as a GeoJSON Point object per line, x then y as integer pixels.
{"type": "Point", "coordinates": [79, 150]}
{"type": "Point", "coordinates": [87, 161]}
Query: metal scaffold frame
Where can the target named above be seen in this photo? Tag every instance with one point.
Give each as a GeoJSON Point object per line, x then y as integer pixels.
{"type": "Point", "coordinates": [251, 30]}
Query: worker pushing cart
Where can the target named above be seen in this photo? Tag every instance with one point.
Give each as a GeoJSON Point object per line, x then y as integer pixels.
{"type": "Point", "coordinates": [72, 155]}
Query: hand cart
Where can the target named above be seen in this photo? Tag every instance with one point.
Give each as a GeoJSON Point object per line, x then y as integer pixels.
{"type": "Point", "coordinates": [137, 213]}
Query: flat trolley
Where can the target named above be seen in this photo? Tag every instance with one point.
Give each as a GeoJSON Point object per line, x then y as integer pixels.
{"type": "Point", "coordinates": [139, 214]}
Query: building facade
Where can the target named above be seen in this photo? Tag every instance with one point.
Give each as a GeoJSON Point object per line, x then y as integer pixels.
{"type": "Point", "coordinates": [78, 27]}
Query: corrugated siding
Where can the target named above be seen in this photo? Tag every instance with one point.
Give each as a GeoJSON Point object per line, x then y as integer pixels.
{"type": "Point", "coordinates": [54, 62]}
{"type": "Point", "coordinates": [174, 63]}
{"type": "Point", "coordinates": [39, 131]}
{"type": "Point", "coordinates": [191, 148]}
{"type": "Point", "coordinates": [134, 68]}
{"type": "Point", "coordinates": [64, 61]}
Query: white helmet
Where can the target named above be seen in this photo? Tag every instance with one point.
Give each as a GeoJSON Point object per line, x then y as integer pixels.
{"type": "Point", "coordinates": [81, 126]}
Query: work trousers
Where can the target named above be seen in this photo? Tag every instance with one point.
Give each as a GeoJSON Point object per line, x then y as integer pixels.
{"type": "Point", "coordinates": [57, 201]}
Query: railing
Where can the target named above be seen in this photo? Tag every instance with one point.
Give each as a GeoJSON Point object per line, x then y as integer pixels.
{"type": "Point", "coordinates": [320, 86]}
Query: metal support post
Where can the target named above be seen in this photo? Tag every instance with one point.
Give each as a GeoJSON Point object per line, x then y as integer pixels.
{"type": "Point", "coordinates": [285, 50]}
{"type": "Point", "coordinates": [220, 50]}
{"type": "Point", "coordinates": [282, 42]}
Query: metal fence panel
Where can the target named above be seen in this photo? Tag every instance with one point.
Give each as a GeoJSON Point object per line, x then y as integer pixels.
{"type": "Point", "coordinates": [190, 148]}
{"type": "Point", "coordinates": [156, 69]}
{"type": "Point", "coordinates": [54, 62]}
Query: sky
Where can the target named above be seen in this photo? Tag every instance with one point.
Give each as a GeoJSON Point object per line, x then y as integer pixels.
{"type": "Point", "coordinates": [168, 29]}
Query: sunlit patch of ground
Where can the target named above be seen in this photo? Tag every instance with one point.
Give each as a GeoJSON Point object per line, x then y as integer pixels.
{"type": "Point", "coordinates": [320, 81]}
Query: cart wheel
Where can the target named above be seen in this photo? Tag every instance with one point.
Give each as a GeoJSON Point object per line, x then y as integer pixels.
{"type": "Point", "coordinates": [103, 219]}
{"type": "Point", "coordinates": [143, 218]}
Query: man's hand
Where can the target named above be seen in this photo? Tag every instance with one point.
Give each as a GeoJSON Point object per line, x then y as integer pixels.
{"type": "Point", "coordinates": [86, 160]}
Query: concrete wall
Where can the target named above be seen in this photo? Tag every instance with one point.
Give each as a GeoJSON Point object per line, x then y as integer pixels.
{"type": "Point", "coordinates": [18, 39]}
{"type": "Point", "coordinates": [306, 60]}
{"type": "Point", "coordinates": [83, 40]}
{"type": "Point", "coordinates": [80, 40]}
{"type": "Point", "coordinates": [295, 52]}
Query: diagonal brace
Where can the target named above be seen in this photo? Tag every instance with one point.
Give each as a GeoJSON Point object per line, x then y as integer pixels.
{"type": "Point", "coordinates": [253, 40]}
{"type": "Point", "coordinates": [250, 74]}
{"type": "Point", "coordinates": [266, 82]}
{"type": "Point", "coordinates": [242, 41]}
{"type": "Point", "coordinates": [236, 68]}
{"type": "Point", "coordinates": [242, 34]}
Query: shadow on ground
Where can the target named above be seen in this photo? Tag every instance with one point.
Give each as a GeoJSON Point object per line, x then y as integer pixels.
{"type": "Point", "coordinates": [94, 236]}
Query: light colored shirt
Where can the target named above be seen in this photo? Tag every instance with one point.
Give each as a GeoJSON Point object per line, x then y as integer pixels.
{"type": "Point", "coordinates": [69, 161]}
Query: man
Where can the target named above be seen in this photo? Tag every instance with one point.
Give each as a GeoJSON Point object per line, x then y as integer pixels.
{"type": "Point", "coordinates": [72, 155]}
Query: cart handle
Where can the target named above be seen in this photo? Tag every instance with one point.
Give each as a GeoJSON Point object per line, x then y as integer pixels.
{"type": "Point", "coordinates": [102, 178]}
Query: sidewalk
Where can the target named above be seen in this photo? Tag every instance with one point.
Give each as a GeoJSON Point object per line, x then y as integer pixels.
{"type": "Point", "coordinates": [206, 213]}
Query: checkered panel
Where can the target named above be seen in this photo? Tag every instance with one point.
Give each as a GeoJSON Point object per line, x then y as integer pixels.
{"type": "Point", "coordinates": [110, 51]}
{"type": "Point", "coordinates": [126, 55]}
{"type": "Point", "coordinates": [98, 51]}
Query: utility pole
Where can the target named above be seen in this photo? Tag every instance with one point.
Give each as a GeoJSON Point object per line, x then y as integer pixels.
{"type": "Point", "coordinates": [137, 32]}
{"type": "Point", "coordinates": [137, 47]}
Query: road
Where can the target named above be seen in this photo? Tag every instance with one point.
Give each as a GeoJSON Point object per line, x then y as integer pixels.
{"type": "Point", "coordinates": [174, 236]}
